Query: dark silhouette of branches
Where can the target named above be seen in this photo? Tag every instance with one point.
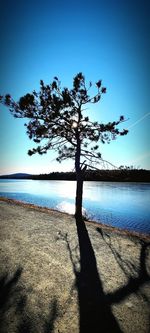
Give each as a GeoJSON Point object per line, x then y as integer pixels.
{"type": "Point", "coordinates": [57, 120]}
{"type": "Point", "coordinates": [134, 282]}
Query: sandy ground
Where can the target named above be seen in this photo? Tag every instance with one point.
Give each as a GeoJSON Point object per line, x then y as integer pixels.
{"type": "Point", "coordinates": [42, 272]}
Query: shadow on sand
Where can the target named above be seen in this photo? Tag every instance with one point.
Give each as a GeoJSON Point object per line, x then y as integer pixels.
{"type": "Point", "coordinates": [95, 313]}
{"type": "Point", "coordinates": [94, 308]}
{"type": "Point", "coordinates": [14, 301]}
{"type": "Point", "coordinates": [94, 305]}
{"type": "Point", "coordinates": [137, 274]}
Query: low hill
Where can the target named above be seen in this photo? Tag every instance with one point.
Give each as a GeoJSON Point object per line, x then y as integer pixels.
{"type": "Point", "coordinates": [16, 176]}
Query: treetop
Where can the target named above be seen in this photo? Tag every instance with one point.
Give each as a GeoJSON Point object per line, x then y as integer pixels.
{"type": "Point", "coordinates": [57, 119]}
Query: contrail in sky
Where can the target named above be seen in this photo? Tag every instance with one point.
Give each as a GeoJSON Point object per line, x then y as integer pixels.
{"type": "Point", "coordinates": [139, 120]}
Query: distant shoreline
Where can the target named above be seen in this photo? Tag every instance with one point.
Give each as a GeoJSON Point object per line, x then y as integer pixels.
{"type": "Point", "coordinates": [119, 175]}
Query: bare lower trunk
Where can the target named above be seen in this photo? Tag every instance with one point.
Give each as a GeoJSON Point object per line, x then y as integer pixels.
{"type": "Point", "coordinates": [79, 196]}
{"type": "Point", "coordinates": [79, 174]}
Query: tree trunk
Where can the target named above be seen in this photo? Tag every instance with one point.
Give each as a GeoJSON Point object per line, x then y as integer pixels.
{"type": "Point", "coordinates": [79, 195]}
{"type": "Point", "coordinates": [79, 180]}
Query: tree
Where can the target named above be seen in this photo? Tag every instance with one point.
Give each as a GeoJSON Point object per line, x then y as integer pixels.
{"type": "Point", "coordinates": [57, 120]}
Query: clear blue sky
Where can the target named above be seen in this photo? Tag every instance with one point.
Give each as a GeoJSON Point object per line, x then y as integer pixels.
{"type": "Point", "coordinates": [106, 40]}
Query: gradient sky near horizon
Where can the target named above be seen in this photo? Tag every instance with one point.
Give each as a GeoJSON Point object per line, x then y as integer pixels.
{"type": "Point", "coordinates": [106, 40]}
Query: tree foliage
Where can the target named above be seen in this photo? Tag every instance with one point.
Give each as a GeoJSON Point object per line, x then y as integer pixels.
{"type": "Point", "coordinates": [57, 120]}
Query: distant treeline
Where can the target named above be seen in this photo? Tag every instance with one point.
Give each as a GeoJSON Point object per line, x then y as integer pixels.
{"type": "Point", "coordinates": [125, 175]}
{"type": "Point", "coordinates": [133, 175]}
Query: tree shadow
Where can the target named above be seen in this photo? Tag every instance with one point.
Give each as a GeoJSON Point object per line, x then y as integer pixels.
{"type": "Point", "coordinates": [137, 274]}
{"type": "Point", "coordinates": [13, 297]}
{"type": "Point", "coordinates": [49, 323]}
{"type": "Point", "coordinates": [7, 286]}
{"type": "Point", "coordinates": [28, 323]}
{"type": "Point", "coordinates": [94, 310]}
{"type": "Point", "coordinates": [8, 295]}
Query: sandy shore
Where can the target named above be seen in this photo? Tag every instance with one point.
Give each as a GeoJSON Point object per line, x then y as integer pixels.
{"type": "Point", "coordinates": [57, 278]}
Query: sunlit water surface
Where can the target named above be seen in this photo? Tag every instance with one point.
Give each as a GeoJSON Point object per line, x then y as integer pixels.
{"type": "Point", "coordinates": [124, 205]}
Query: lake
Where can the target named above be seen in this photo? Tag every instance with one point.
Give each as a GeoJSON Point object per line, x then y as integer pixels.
{"type": "Point", "coordinates": [123, 205]}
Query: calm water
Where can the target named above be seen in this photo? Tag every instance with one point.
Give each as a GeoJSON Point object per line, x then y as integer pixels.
{"type": "Point", "coordinates": [125, 205]}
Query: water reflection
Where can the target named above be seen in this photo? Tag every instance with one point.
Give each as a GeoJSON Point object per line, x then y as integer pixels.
{"type": "Point", "coordinates": [120, 204]}
{"type": "Point", "coordinates": [67, 207]}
